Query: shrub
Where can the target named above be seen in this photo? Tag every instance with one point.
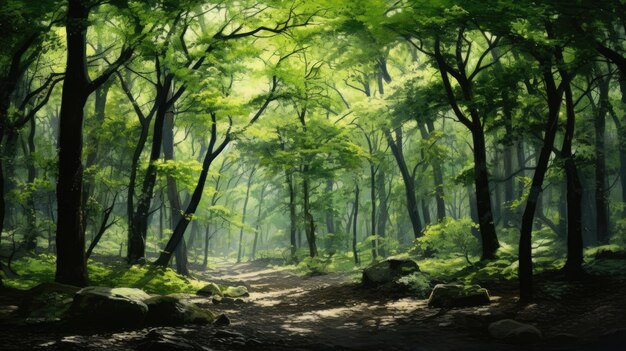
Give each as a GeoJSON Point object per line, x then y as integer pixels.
{"type": "Point", "coordinates": [450, 238]}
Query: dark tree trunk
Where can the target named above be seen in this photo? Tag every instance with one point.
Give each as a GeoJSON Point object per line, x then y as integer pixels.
{"type": "Point", "coordinates": [71, 265]}
{"type": "Point", "coordinates": [409, 182]}
{"type": "Point", "coordinates": [373, 213]}
{"type": "Point", "coordinates": [573, 265]}
{"type": "Point", "coordinates": [483, 199]}
{"type": "Point", "coordinates": [602, 210]}
{"type": "Point", "coordinates": [103, 227]}
{"type": "Point", "coordinates": [173, 194]}
{"type": "Point", "coordinates": [139, 221]}
{"type": "Point", "coordinates": [355, 252]}
{"type": "Point", "coordinates": [330, 217]}
{"type": "Point", "coordinates": [525, 270]}
{"type": "Point", "coordinates": [383, 212]}
{"type": "Point", "coordinates": [438, 179]}
{"type": "Point", "coordinates": [30, 238]}
{"type": "Point", "coordinates": [207, 238]}
{"type": "Point", "coordinates": [309, 223]}
{"type": "Point", "coordinates": [293, 219]}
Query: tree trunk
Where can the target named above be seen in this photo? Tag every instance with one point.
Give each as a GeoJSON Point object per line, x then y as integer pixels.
{"type": "Point", "coordinates": [293, 219]}
{"type": "Point", "coordinates": [243, 216]}
{"type": "Point", "coordinates": [602, 210]}
{"type": "Point", "coordinates": [30, 238]}
{"type": "Point", "coordinates": [71, 265]}
{"type": "Point", "coordinates": [438, 179]}
{"type": "Point", "coordinates": [409, 182]}
{"type": "Point", "coordinates": [355, 252]}
{"type": "Point", "coordinates": [573, 265]}
{"type": "Point", "coordinates": [383, 212]}
{"type": "Point", "coordinates": [309, 224]}
{"type": "Point", "coordinates": [525, 269]}
{"type": "Point", "coordinates": [139, 221]}
{"type": "Point", "coordinates": [173, 194]}
{"type": "Point", "coordinates": [258, 224]}
{"type": "Point", "coordinates": [330, 220]}
{"type": "Point", "coordinates": [483, 199]}
{"type": "Point", "coordinates": [373, 213]}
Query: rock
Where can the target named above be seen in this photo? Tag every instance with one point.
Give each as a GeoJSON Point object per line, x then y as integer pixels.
{"type": "Point", "coordinates": [157, 341]}
{"type": "Point", "coordinates": [227, 300]}
{"type": "Point", "coordinates": [513, 331]}
{"type": "Point", "coordinates": [235, 291]}
{"type": "Point", "coordinates": [47, 302]}
{"type": "Point", "coordinates": [458, 295]}
{"type": "Point", "coordinates": [210, 289]}
{"type": "Point", "coordinates": [109, 307]}
{"type": "Point", "coordinates": [611, 255]}
{"type": "Point", "coordinates": [172, 310]}
{"type": "Point", "coordinates": [388, 271]}
{"type": "Point", "coordinates": [222, 320]}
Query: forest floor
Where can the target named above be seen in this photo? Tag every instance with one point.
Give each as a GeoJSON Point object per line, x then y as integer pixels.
{"type": "Point", "coordinates": [286, 311]}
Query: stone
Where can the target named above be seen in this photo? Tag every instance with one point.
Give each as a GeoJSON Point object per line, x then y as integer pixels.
{"type": "Point", "coordinates": [388, 271]}
{"type": "Point", "coordinates": [47, 302]}
{"type": "Point", "coordinates": [210, 289]}
{"type": "Point", "coordinates": [222, 320]}
{"type": "Point", "coordinates": [513, 331]}
{"type": "Point", "coordinates": [109, 307]}
{"type": "Point", "coordinates": [235, 291]}
{"type": "Point", "coordinates": [173, 310]}
{"type": "Point", "coordinates": [458, 295]}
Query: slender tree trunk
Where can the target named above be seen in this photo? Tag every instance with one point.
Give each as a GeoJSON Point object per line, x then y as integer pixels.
{"type": "Point", "coordinates": [173, 194]}
{"type": "Point", "coordinates": [243, 216]}
{"type": "Point", "coordinates": [573, 265]}
{"type": "Point", "coordinates": [258, 223]}
{"type": "Point", "coordinates": [438, 179]}
{"type": "Point", "coordinates": [409, 182]}
{"type": "Point", "coordinates": [525, 269]}
{"type": "Point", "coordinates": [383, 212]}
{"type": "Point", "coordinates": [293, 219]}
{"type": "Point", "coordinates": [373, 213]}
{"type": "Point", "coordinates": [139, 221]}
{"type": "Point", "coordinates": [330, 218]}
{"type": "Point", "coordinates": [355, 252]}
{"type": "Point", "coordinates": [602, 210]}
{"type": "Point", "coordinates": [309, 223]}
{"type": "Point", "coordinates": [30, 239]}
{"type": "Point", "coordinates": [483, 199]}
{"type": "Point", "coordinates": [205, 260]}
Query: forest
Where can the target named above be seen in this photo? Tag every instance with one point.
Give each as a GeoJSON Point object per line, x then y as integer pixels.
{"type": "Point", "coordinates": [313, 174]}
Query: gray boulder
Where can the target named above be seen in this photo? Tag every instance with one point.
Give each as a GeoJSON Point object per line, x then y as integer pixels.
{"type": "Point", "coordinates": [173, 310]}
{"type": "Point", "coordinates": [109, 307]}
{"type": "Point", "coordinates": [513, 331]}
{"type": "Point", "coordinates": [388, 271]}
{"type": "Point", "coordinates": [458, 295]}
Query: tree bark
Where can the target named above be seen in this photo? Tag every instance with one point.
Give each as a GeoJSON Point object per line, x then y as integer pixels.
{"type": "Point", "coordinates": [355, 252]}
{"type": "Point", "coordinates": [243, 216]}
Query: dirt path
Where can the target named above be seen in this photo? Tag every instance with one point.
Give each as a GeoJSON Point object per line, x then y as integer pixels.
{"type": "Point", "coordinates": [331, 312]}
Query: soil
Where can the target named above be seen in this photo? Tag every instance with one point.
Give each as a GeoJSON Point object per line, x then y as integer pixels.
{"type": "Point", "coordinates": [333, 312]}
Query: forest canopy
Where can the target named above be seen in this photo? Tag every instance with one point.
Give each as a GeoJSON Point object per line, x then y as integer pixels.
{"type": "Point", "coordinates": [323, 134]}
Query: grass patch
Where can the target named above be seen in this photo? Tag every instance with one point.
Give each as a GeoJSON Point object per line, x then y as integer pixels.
{"type": "Point", "coordinates": [153, 280]}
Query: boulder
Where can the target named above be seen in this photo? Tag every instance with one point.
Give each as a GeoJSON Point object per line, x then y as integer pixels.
{"type": "Point", "coordinates": [47, 302]}
{"type": "Point", "coordinates": [109, 307]}
{"type": "Point", "coordinates": [210, 289]}
{"type": "Point", "coordinates": [235, 291]}
{"type": "Point", "coordinates": [513, 331]}
{"type": "Point", "coordinates": [458, 295]}
{"type": "Point", "coordinates": [173, 310]}
{"type": "Point", "coordinates": [388, 271]}
{"type": "Point", "coordinates": [222, 320]}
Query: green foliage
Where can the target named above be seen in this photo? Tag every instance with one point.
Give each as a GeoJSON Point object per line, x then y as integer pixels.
{"type": "Point", "coordinates": [450, 238]}
{"type": "Point", "coordinates": [38, 269]}
{"type": "Point", "coordinates": [418, 283]}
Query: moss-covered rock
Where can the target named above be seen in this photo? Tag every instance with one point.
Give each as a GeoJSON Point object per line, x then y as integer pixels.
{"type": "Point", "coordinates": [47, 302]}
{"type": "Point", "coordinates": [174, 310]}
{"type": "Point", "coordinates": [388, 271]}
{"type": "Point", "coordinates": [513, 331]}
{"type": "Point", "coordinates": [235, 291]}
{"type": "Point", "coordinates": [458, 295]}
{"type": "Point", "coordinates": [210, 289]}
{"type": "Point", "coordinates": [109, 307]}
